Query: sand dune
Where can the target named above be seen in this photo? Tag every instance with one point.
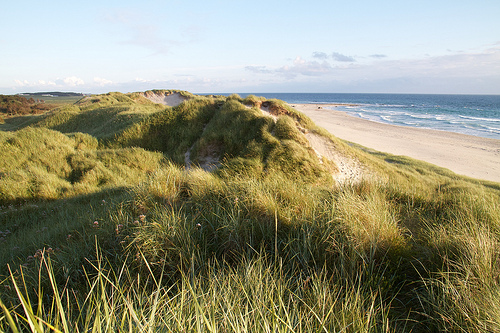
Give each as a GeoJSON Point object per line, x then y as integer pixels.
{"type": "Point", "coordinates": [463, 154]}
{"type": "Point", "coordinates": [173, 99]}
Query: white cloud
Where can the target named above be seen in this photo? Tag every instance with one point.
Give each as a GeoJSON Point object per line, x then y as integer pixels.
{"type": "Point", "coordinates": [192, 33]}
{"type": "Point", "coordinates": [479, 64]}
{"type": "Point", "coordinates": [39, 83]}
{"type": "Point", "coordinates": [138, 30]}
{"type": "Point", "coordinates": [342, 58]}
{"type": "Point", "coordinates": [146, 32]}
{"type": "Point", "coordinates": [303, 67]}
{"type": "Point", "coordinates": [472, 71]}
{"type": "Point", "coordinates": [320, 55]}
{"type": "Point", "coordinates": [300, 66]}
{"type": "Point", "coordinates": [20, 83]}
{"type": "Point", "coordinates": [73, 81]}
{"type": "Point", "coordinates": [102, 82]}
{"type": "Point", "coordinates": [259, 69]}
{"type": "Point", "coordinates": [336, 56]}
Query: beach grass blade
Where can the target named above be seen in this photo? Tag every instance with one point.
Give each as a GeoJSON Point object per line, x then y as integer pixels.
{"type": "Point", "coordinates": [30, 316]}
{"type": "Point", "coordinates": [6, 311]}
{"type": "Point", "coordinates": [57, 297]}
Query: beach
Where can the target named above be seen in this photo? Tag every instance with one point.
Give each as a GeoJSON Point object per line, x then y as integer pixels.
{"type": "Point", "coordinates": [466, 155]}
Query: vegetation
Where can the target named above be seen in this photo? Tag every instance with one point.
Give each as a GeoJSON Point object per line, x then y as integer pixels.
{"type": "Point", "coordinates": [19, 105]}
{"type": "Point", "coordinates": [56, 98]}
{"type": "Point", "coordinates": [103, 226]}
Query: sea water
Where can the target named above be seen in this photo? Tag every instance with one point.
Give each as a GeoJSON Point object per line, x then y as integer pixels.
{"type": "Point", "coordinates": [477, 115]}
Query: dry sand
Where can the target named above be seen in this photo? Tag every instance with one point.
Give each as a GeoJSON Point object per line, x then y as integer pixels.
{"type": "Point", "coordinates": [173, 99]}
{"type": "Point", "coordinates": [349, 170]}
{"type": "Point", "coordinates": [463, 154]}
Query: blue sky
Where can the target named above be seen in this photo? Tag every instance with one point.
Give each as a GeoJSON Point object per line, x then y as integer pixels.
{"type": "Point", "coordinates": [437, 46]}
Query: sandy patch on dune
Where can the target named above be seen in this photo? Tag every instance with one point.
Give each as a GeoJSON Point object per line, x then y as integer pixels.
{"type": "Point", "coordinates": [173, 99]}
{"type": "Point", "coordinates": [208, 158]}
{"type": "Point", "coordinates": [350, 170]}
{"type": "Point", "coordinates": [265, 111]}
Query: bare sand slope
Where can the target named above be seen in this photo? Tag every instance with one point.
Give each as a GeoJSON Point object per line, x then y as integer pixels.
{"type": "Point", "coordinates": [463, 154]}
{"type": "Point", "coordinates": [349, 169]}
{"type": "Point", "coordinates": [173, 99]}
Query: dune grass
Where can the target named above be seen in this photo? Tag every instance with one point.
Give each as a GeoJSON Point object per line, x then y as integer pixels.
{"type": "Point", "coordinates": [257, 295]}
{"type": "Point", "coordinates": [39, 163]}
{"type": "Point", "coordinates": [111, 232]}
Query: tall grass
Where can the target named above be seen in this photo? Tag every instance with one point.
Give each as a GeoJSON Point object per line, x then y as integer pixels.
{"type": "Point", "coordinates": [465, 291]}
{"type": "Point", "coordinates": [257, 295]}
{"type": "Point", "coordinates": [112, 232]}
{"type": "Point", "coordinates": [38, 163]}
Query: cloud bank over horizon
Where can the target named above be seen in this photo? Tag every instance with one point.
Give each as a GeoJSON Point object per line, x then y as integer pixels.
{"type": "Point", "coordinates": [321, 72]}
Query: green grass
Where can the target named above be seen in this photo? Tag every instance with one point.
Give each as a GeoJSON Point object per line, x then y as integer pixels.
{"type": "Point", "coordinates": [224, 299]}
{"type": "Point", "coordinates": [61, 99]}
{"type": "Point", "coordinates": [104, 229]}
{"type": "Point", "coordinates": [39, 163]}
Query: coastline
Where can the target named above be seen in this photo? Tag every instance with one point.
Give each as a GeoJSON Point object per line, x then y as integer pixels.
{"type": "Point", "coordinates": [463, 154]}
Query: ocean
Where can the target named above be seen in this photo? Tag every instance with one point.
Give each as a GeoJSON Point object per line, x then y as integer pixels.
{"type": "Point", "coordinates": [477, 115]}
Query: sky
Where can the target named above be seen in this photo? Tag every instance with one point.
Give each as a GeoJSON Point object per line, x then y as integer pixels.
{"type": "Point", "coordinates": [222, 46]}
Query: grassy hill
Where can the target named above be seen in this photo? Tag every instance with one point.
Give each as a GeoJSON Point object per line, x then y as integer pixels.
{"type": "Point", "coordinates": [13, 105]}
{"type": "Point", "coordinates": [220, 214]}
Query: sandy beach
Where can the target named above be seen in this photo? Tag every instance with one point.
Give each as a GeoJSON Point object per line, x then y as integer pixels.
{"type": "Point", "coordinates": [463, 154]}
